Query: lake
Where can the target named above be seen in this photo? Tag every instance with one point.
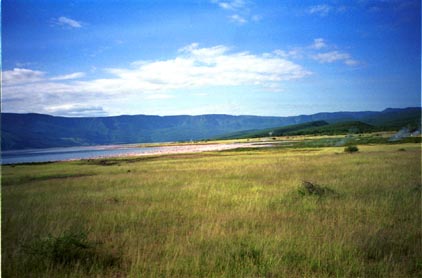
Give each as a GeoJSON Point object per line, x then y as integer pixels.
{"type": "Point", "coordinates": [76, 153]}
{"type": "Point", "coordinates": [68, 153]}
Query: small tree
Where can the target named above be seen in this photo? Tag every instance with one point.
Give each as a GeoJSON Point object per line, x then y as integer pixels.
{"type": "Point", "coordinates": [351, 149]}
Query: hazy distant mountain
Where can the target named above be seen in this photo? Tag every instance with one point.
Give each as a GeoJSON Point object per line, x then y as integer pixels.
{"type": "Point", "coordinates": [22, 131]}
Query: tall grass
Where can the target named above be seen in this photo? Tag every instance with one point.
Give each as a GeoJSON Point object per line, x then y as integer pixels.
{"type": "Point", "coordinates": [227, 214]}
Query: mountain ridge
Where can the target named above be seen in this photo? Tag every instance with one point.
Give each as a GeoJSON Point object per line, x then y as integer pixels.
{"type": "Point", "coordinates": [33, 130]}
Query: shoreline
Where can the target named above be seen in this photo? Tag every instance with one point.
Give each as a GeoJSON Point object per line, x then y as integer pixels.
{"type": "Point", "coordinates": [196, 148]}
{"type": "Point", "coordinates": [142, 151]}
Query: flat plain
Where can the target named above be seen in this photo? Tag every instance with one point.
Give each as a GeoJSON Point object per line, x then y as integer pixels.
{"type": "Point", "coordinates": [234, 213]}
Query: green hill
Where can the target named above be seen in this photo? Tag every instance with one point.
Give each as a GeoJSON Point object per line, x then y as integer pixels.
{"type": "Point", "coordinates": [396, 119]}
{"type": "Point", "coordinates": [337, 128]}
{"type": "Point", "coordinates": [316, 127]}
{"type": "Point", "coordinates": [278, 131]}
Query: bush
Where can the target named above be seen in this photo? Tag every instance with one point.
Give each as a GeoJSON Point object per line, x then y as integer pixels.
{"type": "Point", "coordinates": [351, 149]}
{"type": "Point", "coordinates": [308, 188]}
{"type": "Point", "coordinates": [70, 248]}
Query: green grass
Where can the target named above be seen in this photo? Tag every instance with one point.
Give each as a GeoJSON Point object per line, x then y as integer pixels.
{"type": "Point", "coordinates": [222, 214]}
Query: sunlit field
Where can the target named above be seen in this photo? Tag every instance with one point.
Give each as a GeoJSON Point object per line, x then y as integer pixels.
{"type": "Point", "coordinates": [239, 213]}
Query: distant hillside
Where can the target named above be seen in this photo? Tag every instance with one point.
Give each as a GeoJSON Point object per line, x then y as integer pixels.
{"type": "Point", "coordinates": [278, 131]}
{"type": "Point", "coordinates": [338, 128]}
{"type": "Point", "coordinates": [317, 127]}
{"type": "Point", "coordinates": [396, 118]}
{"type": "Point", "coordinates": [23, 131]}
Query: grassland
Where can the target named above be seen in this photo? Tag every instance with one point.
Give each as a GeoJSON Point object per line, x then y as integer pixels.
{"type": "Point", "coordinates": [224, 214]}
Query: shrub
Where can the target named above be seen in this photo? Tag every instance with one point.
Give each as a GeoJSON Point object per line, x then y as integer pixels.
{"type": "Point", "coordinates": [70, 248]}
{"type": "Point", "coordinates": [309, 188]}
{"type": "Point", "coordinates": [351, 149]}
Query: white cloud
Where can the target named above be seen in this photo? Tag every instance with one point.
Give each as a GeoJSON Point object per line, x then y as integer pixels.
{"type": "Point", "coordinates": [237, 19]}
{"type": "Point", "coordinates": [68, 22]}
{"type": "Point", "coordinates": [26, 76]}
{"type": "Point", "coordinates": [334, 56]}
{"type": "Point", "coordinates": [20, 75]}
{"type": "Point", "coordinates": [70, 76]}
{"type": "Point", "coordinates": [294, 53]}
{"type": "Point", "coordinates": [158, 96]}
{"type": "Point", "coordinates": [193, 49]}
{"type": "Point", "coordinates": [324, 9]}
{"type": "Point", "coordinates": [330, 57]}
{"type": "Point", "coordinates": [193, 68]}
{"type": "Point", "coordinates": [200, 94]}
{"type": "Point", "coordinates": [321, 10]}
{"type": "Point", "coordinates": [230, 5]}
{"type": "Point", "coordinates": [351, 62]}
{"type": "Point", "coordinates": [199, 67]}
{"type": "Point", "coordinates": [23, 64]}
{"type": "Point", "coordinates": [240, 9]}
{"type": "Point", "coordinates": [75, 110]}
{"type": "Point", "coordinates": [319, 43]}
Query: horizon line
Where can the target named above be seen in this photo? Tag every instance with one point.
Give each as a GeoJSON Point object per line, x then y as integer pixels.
{"type": "Point", "coordinates": [216, 114]}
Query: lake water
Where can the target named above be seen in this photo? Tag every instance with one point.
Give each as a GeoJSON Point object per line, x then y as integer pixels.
{"type": "Point", "coordinates": [75, 153]}
{"type": "Point", "coordinates": [70, 153]}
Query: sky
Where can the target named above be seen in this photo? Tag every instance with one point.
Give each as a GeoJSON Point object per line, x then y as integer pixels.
{"type": "Point", "coordinates": [238, 57]}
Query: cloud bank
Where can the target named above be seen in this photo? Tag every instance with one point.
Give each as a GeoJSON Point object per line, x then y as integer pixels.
{"type": "Point", "coordinates": [193, 67]}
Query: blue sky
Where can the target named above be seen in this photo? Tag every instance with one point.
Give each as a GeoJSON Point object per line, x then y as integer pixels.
{"type": "Point", "coordinates": [241, 57]}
